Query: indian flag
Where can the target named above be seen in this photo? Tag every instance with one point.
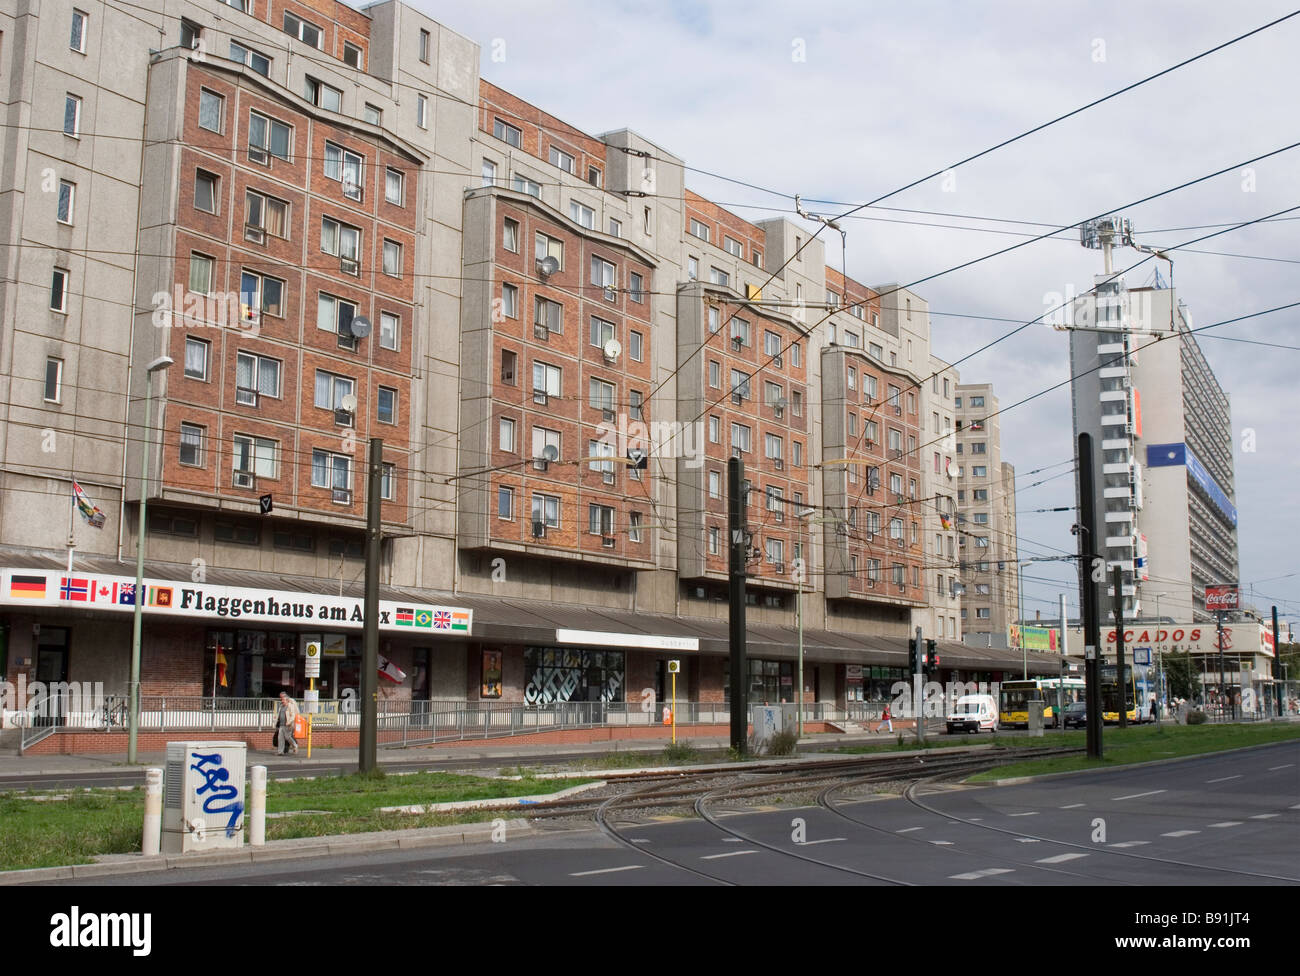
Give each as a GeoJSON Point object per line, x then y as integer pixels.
{"type": "Point", "coordinates": [460, 621]}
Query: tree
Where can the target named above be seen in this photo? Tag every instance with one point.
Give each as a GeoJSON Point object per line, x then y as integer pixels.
{"type": "Point", "coordinates": [1181, 676]}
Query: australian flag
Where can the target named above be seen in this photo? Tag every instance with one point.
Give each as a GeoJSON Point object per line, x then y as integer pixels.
{"type": "Point", "coordinates": [126, 594]}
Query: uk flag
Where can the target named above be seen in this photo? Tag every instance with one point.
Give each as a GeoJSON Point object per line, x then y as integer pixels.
{"type": "Point", "coordinates": [441, 620]}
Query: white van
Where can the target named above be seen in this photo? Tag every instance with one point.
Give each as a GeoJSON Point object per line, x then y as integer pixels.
{"type": "Point", "coordinates": [973, 713]}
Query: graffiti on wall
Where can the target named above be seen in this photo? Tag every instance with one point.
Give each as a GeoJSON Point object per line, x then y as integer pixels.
{"type": "Point", "coordinates": [222, 795]}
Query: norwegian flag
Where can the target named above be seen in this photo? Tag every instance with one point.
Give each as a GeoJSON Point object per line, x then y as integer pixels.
{"type": "Point", "coordinates": [76, 589]}
{"type": "Point", "coordinates": [442, 620]}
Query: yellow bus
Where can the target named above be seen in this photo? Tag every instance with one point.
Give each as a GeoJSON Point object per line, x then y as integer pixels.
{"type": "Point", "coordinates": [1016, 695]}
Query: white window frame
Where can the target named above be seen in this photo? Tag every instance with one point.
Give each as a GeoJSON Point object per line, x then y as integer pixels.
{"type": "Point", "coordinates": [58, 380]}
{"type": "Point", "coordinates": [206, 347]}
{"type": "Point", "coordinates": [72, 102]}
{"type": "Point", "coordinates": [301, 28]}
{"type": "Point", "coordinates": [77, 35]}
{"type": "Point", "coordinates": [339, 387]}
{"type": "Point", "coordinates": [582, 215]}
{"type": "Point", "coordinates": [544, 504]}
{"type": "Point", "coordinates": [510, 235]}
{"type": "Point", "coordinates": [506, 493]}
{"type": "Point", "coordinates": [422, 111]}
{"type": "Point", "coordinates": [390, 338]}
{"type": "Point", "coordinates": [192, 431]}
{"type": "Point", "coordinates": [506, 435]}
{"type": "Point", "coordinates": [563, 160]}
{"type": "Point", "coordinates": [395, 411]}
{"type": "Point", "coordinates": [248, 57]}
{"type": "Point", "coordinates": [502, 130]}
{"type": "Point", "coordinates": [62, 214]}
{"type": "Point", "coordinates": [392, 249]}
{"type": "Point", "coordinates": [268, 151]}
{"type": "Point", "coordinates": [256, 368]}
{"type": "Point", "coordinates": [260, 452]}
{"type": "Point", "coordinates": [552, 381]}
{"type": "Point", "coordinates": [60, 277]}
{"type": "Point", "coordinates": [331, 481]}
{"type": "Point", "coordinates": [509, 300]}
{"type": "Point", "coordinates": [322, 95]}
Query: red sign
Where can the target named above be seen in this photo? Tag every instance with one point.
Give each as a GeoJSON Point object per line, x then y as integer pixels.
{"type": "Point", "coordinates": [1220, 598]}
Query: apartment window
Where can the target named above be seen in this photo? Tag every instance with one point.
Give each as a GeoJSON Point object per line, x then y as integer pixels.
{"type": "Point", "coordinates": [394, 186]}
{"type": "Point", "coordinates": [523, 184]}
{"type": "Point", "coordinates": [265, 215]}
{"type": "Point", "coordinates": [422, 111]}
{"type": "Point", "coordinates": [545, 247]}
{"type": "Point", "coordinates": [896, 484]}
{"type": "Point", "coordinates": [634, 527]}
{"type": "Point", "coordinates": [344, 166]}
{"type": "Point", "coordinates": [979, 471]}
{"type": "Point", "coordinates": [636, 346]}
{"type": "Point", "coordinates": [771, 344]}
{"type": "Point", "coordinates": [739, 383]}
{"type": "Point", "coordinates": [258, 293]}
{"type": "Point", "coordinates": [796, 451]}
{"type": "Point", "coordinates": [509, 301]}
{"type": "Point", "coordinates": [343, 242]}
{"type": "Point", "coordinates": [352, 55]}
{"type": "Point", "coordinates": [424, 46]}
{"type": "Point", "coordinates": [853, 378]}
{"type": "Point", "coordinates": [388, 481]}
{"type": "Point", "coordinates": [773, 446]}
{"type": "Point", "coordinates": [333, 471]}
{"type": "Point", "coordinates": [981, 494]}
{"type": "Point", "coordinates": [634, 405]}
{"type": "Point", "coordinates": [713, 540]}
{"type": "Point", "coordinates": [392, 258]}
{"type": "Point", "coordinates": [758, 257]}
{"type": "Point", "coordinates": [548, 317]}
{"type": "Point", "coordinates": [196, 358]}
{"type": "Point", "coordinates": [335, 315]}
{"type": "Point", "coordinates": [331, 389]}
{"type": "Point", "coordinates": [72, 115]}
{"type": "Point", "coordinates": [603, 275]}
{"type": "Point", "coordinates": [733, 246]}
{"type": "Point", "coordinates": [602, 449]}
{"type": "Point", "coordinates": [506, 435]}
{"type": "Point", "coordinates": [322, 95]}
{"type": "Point", "coordinates": [254, 456]}
{"type": "Point", "coordinates": [563, 160]}
{"type": "Point", "coordinates": [853, 425]}
{"type": "Point", "coordinates": [851, 339]}
{"type": "Point", "coordinates": [978, 447]}
{"type": "Point", "coordinates": [715, 319]}
{"type": "Point", "coordinates": [796, 403]}
{"type": "Point", "coordinates": [507, 133]}
{"type": "Point", "coordinates": [601, 394]}
{"type": "Point", "coordinates": [200, 274]}
{"type": "Point", "coordinates": [510, 235]}
{"type": "Point", "coordinates": [582, 215]}
{"type": "Point", "coordinates": [692, 268]}
{"type": "Point", "coordinates": [594, 177]}
{"type": "Point", "coordinates": [981, 518]}
{"type": "Point", "coordinates": [719, 277]}
{"type": "Point", "coordinates": [191, 449]}
{"type": "Point", "coordinates": [740, 438]}
{"type": "Point", "coordinates": [715, 430]}
{"type": "Point", "coordinates": [715, 484]}
{"type": "Point", "coordinates": [636, 286]}
{"type": "Point", "coordinates": [794, 355]}
{"type": "Point", "coordinates": [615, 227]}
{"type": "Point", "coordinates": [699, 229]}
{"type": "Point", "coordinates": [246, 56]}
{"type": "Point", "coordinates": [387, 405]}
{"type": "Point", "coordinates": [546, 382]}
{"type": "Point", "coordinates": [80, 21]}
{"type": "Point", "coordinates": [546, 509]}
{"type": "Point", "coordinates": [267, 137]}
{"type": "Point", "coordinates": [740, 330]}
{"type": "Point", "coordinates": [255, 377]}
{"type": "Point", "coordinates": [305, 31]}
{"type": "Point", "coordinates": [506, 504]}
{"type": "Point", "coordinates": [982, 613]}
{"type": "Point", "coordinates": [53, 380]}
{"type": "Point", "coordinates": [374, 114]}
{"type": "Point", "coordinates": [976, 401]}
{"type": "Point", "coordinates": [715, 374]}
{"type": "Point", "coordinates": [59, 290]}
{"type": "Point", "coordinates": [67, 199]}
{"type": "Point", "coordinates": [601, 331]}
{"type": "Point", "coordinates": [509, 362]}
{"type": "Point", "coordinates": [775, 551]}
{"type": "Point", "coordinates": [544, 438]}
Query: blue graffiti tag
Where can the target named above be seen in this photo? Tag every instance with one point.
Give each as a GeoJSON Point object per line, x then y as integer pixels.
{"type": "Point", "coordinates": [214, 780]}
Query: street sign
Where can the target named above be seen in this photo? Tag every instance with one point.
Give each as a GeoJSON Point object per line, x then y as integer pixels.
{"type": "Point", "coordinates": [266, 503]}
{"type": "Point", "coordinates": [313, 661]}
{"type": "Point", "coordinates": [674, 667]}
{"type": "Point", "coordinates": [1090, 652]}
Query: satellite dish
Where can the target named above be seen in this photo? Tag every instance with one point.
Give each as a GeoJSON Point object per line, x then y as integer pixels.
{"type": "Point", "coordinates": [360, 326]}
{"type": "Point", "coordinates": [781, 403]}
{"type": "Point", "coordinates": [349, 403]}
{"type": "Point", "coordinates": [548, 266]}
{"type": "Point", "coordinates": [550, 452]}
{"type": "Point", "coordinates": [612, 349]}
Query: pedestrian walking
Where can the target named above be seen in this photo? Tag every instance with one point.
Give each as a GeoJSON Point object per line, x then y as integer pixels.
{"type": "Point", "coordinates": [886, 719]}
{"type": "Point", "coordinates": [286, 714]}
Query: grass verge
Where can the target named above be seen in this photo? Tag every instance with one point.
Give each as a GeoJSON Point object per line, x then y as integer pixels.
{"type": "Point", "coordinates": [49, 833]}
{"type": "Point", "coordinates": [1144, 743]}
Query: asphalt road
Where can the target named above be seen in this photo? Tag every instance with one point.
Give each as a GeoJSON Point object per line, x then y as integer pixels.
{"type": "Point", "coordinates": [1220, 820]}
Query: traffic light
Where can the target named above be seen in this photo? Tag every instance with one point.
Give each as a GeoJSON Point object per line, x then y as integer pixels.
{"type": "Point", "coordinates": [931, 658]}
{"type": "Point", "coordinates": [913, 656]}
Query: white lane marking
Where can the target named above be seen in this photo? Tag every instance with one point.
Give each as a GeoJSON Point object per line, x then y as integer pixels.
{"type": "Point", "coordinates": [942, 843]}
{"type": "Point", "coordinates": [1027, 840]}
{"type": "Point", "coordinates": [975, 875]}
{"type": "Point", "coordinates": [824, 840]}
{"type": "Point", "coordinates": [1134, 796]}
{"type": "Point", "coordinates": [976, 819]}
{"type": "Point", "coordinates": [714, 857]}
{"type": "Point", "coordinates": [640, 840]}
{"type": "Point", "coordinates": [1224, 779]}
{"type": "Point", "coordinates": [1264, 816]}
{"type": "Point", "coordinates": [1059, 858]}
{"type": "Point", "coordinates": [732, 840]}
{"type": "Point", "coordinates": [908, 830]}
{"type": "Point", "coordinates": [1274, 769]}
{"type": "Point", "coordinates": [1031, 813]}
{"type": "Point", "coordinates": [1071, 806]}
{"type": "Point", "coordinates": [1296, 807]}
{"type": "Point", "coordinates": [626, 867]}
{"type": "Point", "coordinates": [1227, 823]}
{"type": "Point", "coordinates": [1130, 843]}
{"type": "Point", "coordinates": [1180, 833]}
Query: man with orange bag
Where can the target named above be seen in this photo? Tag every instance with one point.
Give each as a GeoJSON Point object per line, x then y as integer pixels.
{"type": "Point", "coordinates": [286, 717]}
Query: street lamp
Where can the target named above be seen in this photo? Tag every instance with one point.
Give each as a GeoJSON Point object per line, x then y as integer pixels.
{"type": "Point", "coordinates": [133, 720]}
{"type": "Point", "coordinates": [1160, 661]}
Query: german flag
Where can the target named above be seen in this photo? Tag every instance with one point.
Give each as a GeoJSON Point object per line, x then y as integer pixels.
{"type": "Point", "coordinates": [27, 587]}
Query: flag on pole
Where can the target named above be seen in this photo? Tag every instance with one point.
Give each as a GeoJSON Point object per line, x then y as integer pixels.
{"type": "Point", "coordinates": [221, 668]}
{"type": "Point", "coordinates": [947, 522]}
{"type": "Point", "coordinates": [389, 670]}
{"type": "Point", "coordinates": [89, 510]}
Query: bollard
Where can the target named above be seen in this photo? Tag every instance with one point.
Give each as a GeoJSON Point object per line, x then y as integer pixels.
{"type": "Point", "coordinates": [257, 807]}
{"type": "Point", "coordinates": [152, 839]}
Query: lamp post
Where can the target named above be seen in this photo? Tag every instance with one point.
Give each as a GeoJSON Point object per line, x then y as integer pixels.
{"type": "Point", "coordinates": [133, 715]}
{"type": "Point", "coordinates": [1160, 662]}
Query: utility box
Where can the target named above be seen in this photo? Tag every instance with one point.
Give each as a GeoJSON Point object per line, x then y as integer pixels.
{"type": "Point", "coordinates": [1036, 717]}
{"type": "Point", "coordinates": [203, 796]}
{"type": "Point", "coordinates": [767, 723]}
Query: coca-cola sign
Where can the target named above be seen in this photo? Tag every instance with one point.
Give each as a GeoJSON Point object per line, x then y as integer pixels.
{"type": "Point", "coordinates": [1220, 598]}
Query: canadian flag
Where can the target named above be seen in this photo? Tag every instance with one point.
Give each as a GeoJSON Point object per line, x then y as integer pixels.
{"type": "Point", "coordinates": [389, 670]}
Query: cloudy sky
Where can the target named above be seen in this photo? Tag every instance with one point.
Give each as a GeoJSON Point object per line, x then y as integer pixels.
{"type": "Point", "coordinates": [846, 102]}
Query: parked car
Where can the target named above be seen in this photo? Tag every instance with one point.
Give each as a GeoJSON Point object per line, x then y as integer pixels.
{"type": "Point", "coordinates": [1076, 715]}
{"type": "Point", "coordinates": [973, 713]}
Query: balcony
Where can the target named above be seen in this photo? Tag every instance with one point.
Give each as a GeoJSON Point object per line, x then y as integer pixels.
{"type": "Point", "coordinates": [1119, 467]}
{"type": "Point", "coordinates": [1119, 542]}
{"type": "Point", "coordinates": [1109, 396]}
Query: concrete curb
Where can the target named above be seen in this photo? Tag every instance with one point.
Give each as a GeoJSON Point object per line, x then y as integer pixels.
{"type": "Point", "coordinates": [1021, 780]}
{"type": "Point", "coordinates": [414, 838]}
